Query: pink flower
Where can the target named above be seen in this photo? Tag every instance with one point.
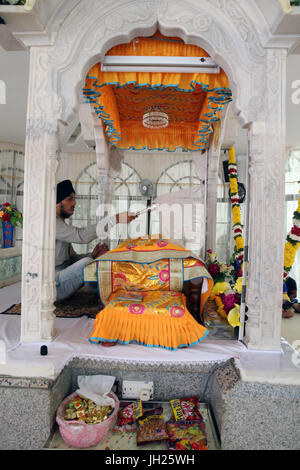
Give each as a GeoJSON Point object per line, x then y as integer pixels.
{"type": "Point", "coordinates": [120, 276]}
{"type": "Point", "coordinates": [161, 243]}
{"type": "Point", "coordinates": [228, 301]}
{"type": "Point", "coordinates": [296, 231]}
{"type": "Point", "coordinates": [164, 275]}
{"type": "Point", "coordinates": [136, 308]}
{"type": "Point", "coordinates": [213, 269]}
{"type": "Point", "coordinates": [177, 312]}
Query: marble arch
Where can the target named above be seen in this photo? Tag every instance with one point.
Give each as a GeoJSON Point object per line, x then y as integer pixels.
{"type": "Point", "coordinates": [81, 33]}
{"type": "Point", "coordinates": [222, 28]}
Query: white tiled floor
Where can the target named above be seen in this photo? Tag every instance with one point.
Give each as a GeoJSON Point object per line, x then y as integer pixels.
{"type": "Point", "coordinates": [11, 295]}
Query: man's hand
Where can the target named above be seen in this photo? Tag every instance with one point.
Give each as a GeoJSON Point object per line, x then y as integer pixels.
{"type": "Point", "coordinates": [99, 250]}
{"type": "Point", "coordinates": [125, 217]}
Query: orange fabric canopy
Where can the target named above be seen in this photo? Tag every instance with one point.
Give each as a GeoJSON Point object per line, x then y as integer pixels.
{"type": "Point", "coordinates": [192, 101]}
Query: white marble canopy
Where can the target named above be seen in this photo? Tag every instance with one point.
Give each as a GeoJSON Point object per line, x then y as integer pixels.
{"type": "Point", "coordinates": [237, 36]}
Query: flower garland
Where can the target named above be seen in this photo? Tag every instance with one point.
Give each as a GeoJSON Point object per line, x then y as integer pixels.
{"type": "Point", "coordinates": [227, 288]}
{"type": "Point", "coordinates": [292, 242]}
{"type": "Point", "coordinates": [236, 211]}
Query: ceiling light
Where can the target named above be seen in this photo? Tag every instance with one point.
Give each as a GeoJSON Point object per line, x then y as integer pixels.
{"type": "Point", "coordinates": [162, 64]}
{"type": "Point", "coordinates": [154, 118]}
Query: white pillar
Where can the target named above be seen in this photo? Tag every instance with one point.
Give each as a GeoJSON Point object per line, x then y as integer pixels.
{"type": "Point", "coordinates": [38, 252]}
{"type": "Point", "coordinates": [102, 159]}
{"type": "Point", "coordinates": [105, 181]}
{"type": "Point", "coordinates": [211, 196]}
{"type": "Point", "coordinates": [267, 213]}
{"type": "Point", "coordinates": [226, 135]}
{"type": "Point", "coordinates": [109, 164]}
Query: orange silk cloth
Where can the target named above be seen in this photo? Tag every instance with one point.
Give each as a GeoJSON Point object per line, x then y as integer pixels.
{"type": "Point", "coordinates": [147, 264]}
{"type": "Point", "coordinates": [192, 101]}
{"type": "Point", "coordinates": [153, 270]}
{"type": "Point", "coordinates": [160, 319]}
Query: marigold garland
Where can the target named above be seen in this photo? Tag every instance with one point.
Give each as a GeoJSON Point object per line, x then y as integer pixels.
{"type": "Point", "coordinates": [235, 202]}
{"type": "Point", "coordinates": [220, 309]}
{"type": "Point", "coordinates": [292, 242]}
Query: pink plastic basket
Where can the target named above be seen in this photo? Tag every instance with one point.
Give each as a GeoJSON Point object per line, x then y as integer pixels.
{"type": "Point", "coordinates": [83, 435]}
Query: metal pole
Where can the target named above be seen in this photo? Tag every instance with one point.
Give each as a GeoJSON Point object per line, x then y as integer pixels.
{"type": "Point", "coordinates": [246, 250]}
{"type": "Point", "coordinates": [148, 216]}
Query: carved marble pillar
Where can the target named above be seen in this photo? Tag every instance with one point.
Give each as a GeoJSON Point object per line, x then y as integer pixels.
{"type": "Point", "coordinates": [38, 253]}
{"type": "Point", "coordinates": [266, 212]}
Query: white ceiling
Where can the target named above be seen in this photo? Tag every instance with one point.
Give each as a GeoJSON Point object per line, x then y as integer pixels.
{"type": "Point", "coordinates": [14, 70]}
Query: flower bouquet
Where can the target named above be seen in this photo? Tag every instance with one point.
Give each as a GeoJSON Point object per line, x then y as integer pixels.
{"type": "Point", "coordinates": [10, 217]}
{"type": "Point", "coordinates": [226, 293]}
{"type": "Point", "coordinates": [9, 213]}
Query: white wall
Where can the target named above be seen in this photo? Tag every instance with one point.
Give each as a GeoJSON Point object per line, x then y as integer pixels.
{"type": "Point", "coordinates": [14, 71]}
{"type": "Point", "coordinates": [293, 108]}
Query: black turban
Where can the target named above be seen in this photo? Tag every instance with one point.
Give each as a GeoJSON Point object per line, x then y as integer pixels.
{"type": "Point", "coordinates": [63, 190]}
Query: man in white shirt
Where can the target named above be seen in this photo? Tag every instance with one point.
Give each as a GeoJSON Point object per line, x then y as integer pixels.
{"type": "Point", "coordinates": [69, 265]}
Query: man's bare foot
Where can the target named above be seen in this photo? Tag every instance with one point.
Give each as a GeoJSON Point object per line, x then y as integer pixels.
{"type": "Point", "coordinates": [288, 313]}
{"type": "Point", "coordinates": [108, 344]}
{"type": "Point", "coordinates": [296, 307]}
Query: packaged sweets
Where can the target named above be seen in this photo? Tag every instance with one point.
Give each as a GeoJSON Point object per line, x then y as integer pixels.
{"type": "Point", "coordinates": [82, 409]}
{"type": "Point", "coordinates": [186, 435]}
{"type": "Point", "coordinates": [186, 409]}
{"type": "Point", "coordinates": [127, 416]}
{"type": "Point", "coordinates": [130, 412]}
{"type": "Point", "coordinates": [151, 427]}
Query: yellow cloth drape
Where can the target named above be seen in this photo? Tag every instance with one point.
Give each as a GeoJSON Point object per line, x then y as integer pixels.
{"type": "Point", "coordinates": [154, 269]}
{"type": "Point", "coordinates": [161, 319]}
{"type": "Point", "coordinates": [181, 93]}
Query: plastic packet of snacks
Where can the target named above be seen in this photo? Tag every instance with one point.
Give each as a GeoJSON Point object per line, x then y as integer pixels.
{"type": "Point", "coordinates": [151, 427]}
{"type": "Point", "coordinates": [186, 408]}
{"type": "Point", "coordinates": [186, 435]}
{"type": "Point", "coordinates": [84, 409]}
{"type": "Point", "coordinates": [127, 416]}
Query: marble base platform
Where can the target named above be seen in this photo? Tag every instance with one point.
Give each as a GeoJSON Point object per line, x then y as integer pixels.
{"type": "Point", "coordinates": [248, 415]}
{"type": "Point", "coordinates": [254, 396]}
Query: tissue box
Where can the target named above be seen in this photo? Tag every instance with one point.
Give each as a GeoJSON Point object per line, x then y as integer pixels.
{"type": "Point", "coordinates": [82, 435]}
